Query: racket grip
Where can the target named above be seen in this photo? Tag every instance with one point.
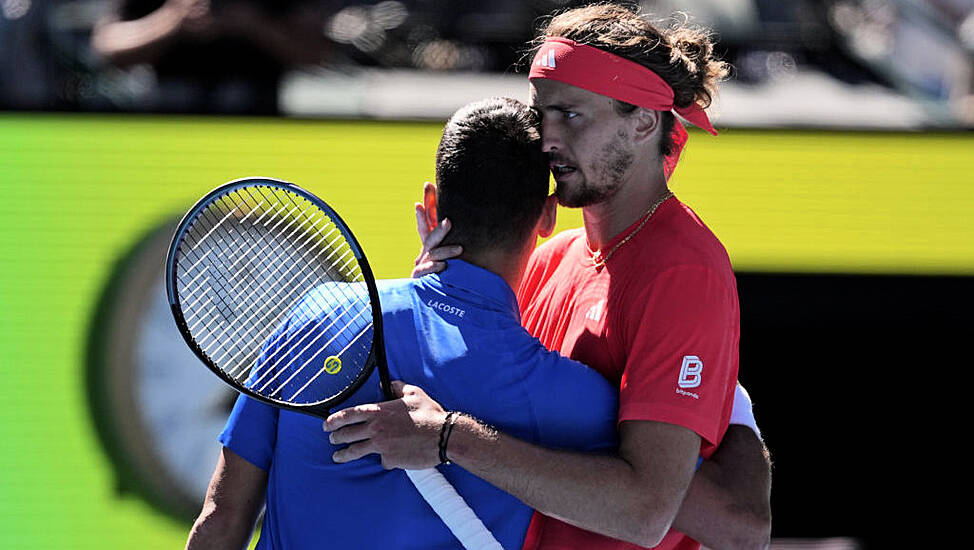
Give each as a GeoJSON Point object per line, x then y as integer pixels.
{"type": "Point", "coordinates": [453, 510]}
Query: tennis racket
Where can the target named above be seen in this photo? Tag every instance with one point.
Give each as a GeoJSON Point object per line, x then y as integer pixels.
{"type": "Point", "coordinates": [272, 292]}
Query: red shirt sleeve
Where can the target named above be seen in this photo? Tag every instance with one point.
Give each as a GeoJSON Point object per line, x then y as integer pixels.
{"type": "Point", "coordinates": [682, 334]}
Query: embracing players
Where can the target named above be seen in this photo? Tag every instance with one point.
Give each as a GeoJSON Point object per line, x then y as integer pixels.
{"type": "Point", "coordinates": [645, 294]}
{"type": "Point", "coordinates": [457, 333]}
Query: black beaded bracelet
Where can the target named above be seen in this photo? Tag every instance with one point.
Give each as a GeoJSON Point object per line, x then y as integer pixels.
{"type": "Point", "coordinates": [445, 430]}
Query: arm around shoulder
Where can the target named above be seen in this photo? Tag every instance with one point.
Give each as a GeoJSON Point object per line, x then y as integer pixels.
{"type": "Point", "coordinates": [633, 496]}
{"type": "Point", "coordinates": [234, 499]}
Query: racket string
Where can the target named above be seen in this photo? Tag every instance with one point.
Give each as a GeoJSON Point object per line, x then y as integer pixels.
{"type": "Point", "coordinates": [219, 246]}
{"type": "Point", "coordinates": [294, 208]}
{"type": "Point", "coordinates": [298, 355]}
{"type": "Point", "coordinates": [235, 290]}
{"type": "Point", "coordinates": [250, 255]}
{"type": "Point", "coordinates": [304, 259]}
{"type": "Point", "coordinates": [288, 345]}
{"type": "Point", "coordinates": [322, 369]}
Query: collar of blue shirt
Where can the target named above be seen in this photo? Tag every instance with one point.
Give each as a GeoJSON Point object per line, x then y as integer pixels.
{"type": "Point", "coordinates": [487, 287]}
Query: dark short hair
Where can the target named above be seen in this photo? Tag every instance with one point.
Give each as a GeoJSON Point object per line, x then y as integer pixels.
{"type": "Point", "coordinates": [491, 174]}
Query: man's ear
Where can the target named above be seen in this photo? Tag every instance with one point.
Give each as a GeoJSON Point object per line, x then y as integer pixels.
{"type": "Point", "coordinates": [429, 204]}
{"type": "Point", "coordinates": [647, 121]}
{"type": "Point", "coordinates": [549, 215]}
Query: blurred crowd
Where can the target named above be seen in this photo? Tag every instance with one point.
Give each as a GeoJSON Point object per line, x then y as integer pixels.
{"type": "Point", "coordinates": [229, 56]}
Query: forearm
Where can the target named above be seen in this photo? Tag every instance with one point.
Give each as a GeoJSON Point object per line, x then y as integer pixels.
{"type": "Point", "coordinates": [233, 501]}
{"type": "Point", "coordinates": [600, 493]}
{"type": "Point", "coordinates": [728, 502]}
{"type": "Point", "coordinates": [126, 43]}
{"type": "Point", "coordinates": [213, 530]}
{"type": "Point", "coordinates": [633, 496]}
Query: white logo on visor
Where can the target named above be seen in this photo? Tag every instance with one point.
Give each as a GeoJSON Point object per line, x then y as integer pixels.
{"type": "Point", "coordinates": [546, 60]}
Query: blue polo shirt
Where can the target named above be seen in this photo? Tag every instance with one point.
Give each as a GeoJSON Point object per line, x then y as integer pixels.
{"type": "Point", "coordinates": [457, 335]}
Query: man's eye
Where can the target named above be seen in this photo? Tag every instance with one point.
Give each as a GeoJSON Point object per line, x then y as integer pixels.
{"type": "Point", "coordinates": [570, 114]}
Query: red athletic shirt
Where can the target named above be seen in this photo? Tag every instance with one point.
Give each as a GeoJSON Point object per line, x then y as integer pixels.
{"type": "Point", "coordinates": [660, 318]}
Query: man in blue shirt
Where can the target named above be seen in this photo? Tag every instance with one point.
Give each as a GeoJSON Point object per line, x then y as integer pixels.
{"type": "Point", "coordinates": [458, 335]}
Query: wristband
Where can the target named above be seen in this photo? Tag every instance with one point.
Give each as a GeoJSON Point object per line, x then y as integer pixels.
{"type": "Point", "coordinates": [445, 430]}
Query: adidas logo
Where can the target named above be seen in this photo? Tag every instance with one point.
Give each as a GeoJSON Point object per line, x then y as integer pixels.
{"type": "Point", "coordinates": [546, 60]}
{"type": "Point", "coordinates": [595, 312]}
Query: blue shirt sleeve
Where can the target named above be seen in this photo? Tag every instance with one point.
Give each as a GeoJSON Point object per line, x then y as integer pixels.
{"type": "Point", "coordinates": [251, 431]}
{"type": "Point", "coordinates": [574, 406]}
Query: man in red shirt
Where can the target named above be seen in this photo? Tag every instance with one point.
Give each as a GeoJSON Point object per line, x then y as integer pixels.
{"type": "Point", "coordinates": [644, 293]}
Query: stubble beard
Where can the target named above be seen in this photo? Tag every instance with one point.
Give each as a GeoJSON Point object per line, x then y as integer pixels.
{"type": "Point", "coordinates": [612, 165]}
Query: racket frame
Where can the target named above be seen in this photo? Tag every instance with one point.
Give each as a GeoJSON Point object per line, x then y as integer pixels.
{"type": "Point", "coordinates": [434, 488]}
{"type": "Point", "coordinates": [377, 356]}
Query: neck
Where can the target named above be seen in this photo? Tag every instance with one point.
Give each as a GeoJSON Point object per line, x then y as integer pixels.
{"type": "Point", "coordinates": [508, 265]}
{"type": "Point", "coordinates": [606, 220]}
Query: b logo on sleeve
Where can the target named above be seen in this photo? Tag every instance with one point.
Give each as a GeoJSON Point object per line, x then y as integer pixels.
{"type": "Point", "coordinates": [690, 375]}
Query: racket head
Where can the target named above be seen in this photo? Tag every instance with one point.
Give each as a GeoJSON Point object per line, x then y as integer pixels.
{"type": "Point", "coordinates": [224, 280]}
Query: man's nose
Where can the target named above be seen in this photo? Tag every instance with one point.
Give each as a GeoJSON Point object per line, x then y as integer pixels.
{"type": "Point", "coordinates": [550, 137]}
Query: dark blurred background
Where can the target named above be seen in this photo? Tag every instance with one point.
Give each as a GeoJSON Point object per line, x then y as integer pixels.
{"type": "Point", "coordinates": [313, 57]}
